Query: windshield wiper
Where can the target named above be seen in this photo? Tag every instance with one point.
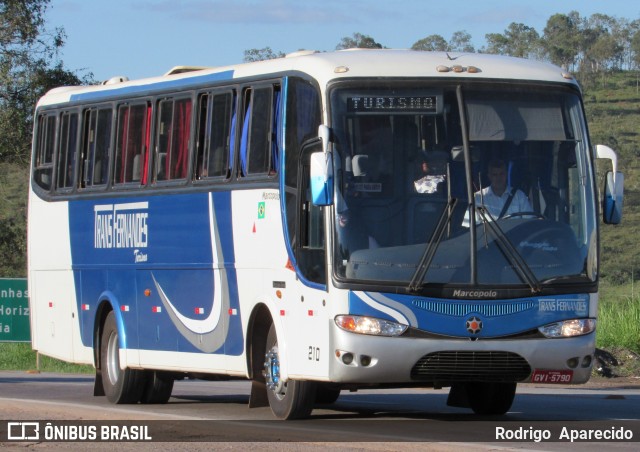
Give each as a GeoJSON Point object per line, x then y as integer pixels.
{"type": "Point", "coordinates": [430, 250]}
{"type": "Point", "coordinates": [510, 252]}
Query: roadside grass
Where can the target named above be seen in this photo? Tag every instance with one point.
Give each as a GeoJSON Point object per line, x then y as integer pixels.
{"type": "Point", "coordinates": [619, 318]}
{"type": "Point", "coordinates": [20, 356]}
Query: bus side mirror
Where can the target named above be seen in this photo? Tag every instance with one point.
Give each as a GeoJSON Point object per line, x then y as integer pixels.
{"type": "Point", "coordinates": [321, 171]}
{"type": "Point", "coordinates": [321, 174]}
{"type": "Point", "coordinates": [613, 198]}
{"type": "Point", "coordinates": [614, 187]}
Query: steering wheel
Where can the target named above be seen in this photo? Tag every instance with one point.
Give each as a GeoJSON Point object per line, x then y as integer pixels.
{"type": "Point", "coordinates": [537, 215]}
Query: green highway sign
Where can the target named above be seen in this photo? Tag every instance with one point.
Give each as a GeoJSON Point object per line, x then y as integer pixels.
{"type": "Point", "coordinates": [14, 310]}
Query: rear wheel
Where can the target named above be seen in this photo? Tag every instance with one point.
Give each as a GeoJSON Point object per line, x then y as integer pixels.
{"type": "Point", "coordinates": [290, 399]}
{"type": "Point", "coordinates": [120, 385]}
{"type": "Point", "coordinates": [158, 388]}
{"type": "Point", "coordinates": [490, 398]}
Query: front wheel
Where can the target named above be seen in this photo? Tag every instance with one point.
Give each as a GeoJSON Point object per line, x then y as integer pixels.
{"type": "Point", "coordinates": [290, 399]}
{"type": "Point", "coordinates": [120, 385]}
{"type": "Point", "coordinates": [490, 398]}
{"type": "Point", "coordinates": [326, 394]}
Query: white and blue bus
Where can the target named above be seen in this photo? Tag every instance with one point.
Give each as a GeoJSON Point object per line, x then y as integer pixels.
{"type": "Point", "coordinates": [320, 222]}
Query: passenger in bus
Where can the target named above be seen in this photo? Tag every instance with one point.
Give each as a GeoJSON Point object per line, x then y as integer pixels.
{"type": "Point", "coordinates": [499, 199]}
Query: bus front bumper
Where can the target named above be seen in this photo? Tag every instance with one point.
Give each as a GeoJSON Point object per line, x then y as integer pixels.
{"type": "Point", "coordinates": [365, 359]}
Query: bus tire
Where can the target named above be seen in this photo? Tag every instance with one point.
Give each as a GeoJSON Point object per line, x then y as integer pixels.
{"type": "Point", "coordinates": [326, 394]}
{"type": "Point", "coordinates": [158, 388]}
{"type": "Point", "coordinates": [120, 386]}
{"type": "Point", "coordinates": [292, 399]}
{"type": "Point", "coordinates": [490, 398]}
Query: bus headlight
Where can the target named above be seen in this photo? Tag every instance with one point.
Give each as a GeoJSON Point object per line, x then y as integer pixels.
{"type": "Point", "coordinates": [569, 328]}
{"type": "Point", "coordinates": [369, 325]}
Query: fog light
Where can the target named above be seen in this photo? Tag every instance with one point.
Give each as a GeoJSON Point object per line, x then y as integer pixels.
{"type": "Point", "coordinates": [347, 358]}
{"type": "Point", "coordinates": [586, 361]}
{"type": "Point", "coordinates": [365, 360]}
{"type": "Point", "coordinates": [573, 362]}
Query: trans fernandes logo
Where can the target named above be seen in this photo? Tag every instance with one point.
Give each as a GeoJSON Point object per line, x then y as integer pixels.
{"type": "Point", "coordinates": [121, 225]}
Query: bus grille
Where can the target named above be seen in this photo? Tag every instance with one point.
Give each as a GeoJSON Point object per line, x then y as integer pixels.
{"type": "Point", "coordinates": [471, 366]}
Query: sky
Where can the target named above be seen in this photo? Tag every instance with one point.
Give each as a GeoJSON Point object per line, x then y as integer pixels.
{"type": "Point", "coordinates": [145, 38]}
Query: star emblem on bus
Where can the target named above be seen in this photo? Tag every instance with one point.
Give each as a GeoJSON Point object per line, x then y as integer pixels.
{"type": "Point", "coordinates": [473, 325]}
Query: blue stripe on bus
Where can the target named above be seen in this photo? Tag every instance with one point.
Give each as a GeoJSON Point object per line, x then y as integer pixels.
{"type": "Point", "coordinates": [151, 259]}
{"type": "Point", "coordinates": [158, 86]}
{"type": "Point", "coordinates": [449, 317]}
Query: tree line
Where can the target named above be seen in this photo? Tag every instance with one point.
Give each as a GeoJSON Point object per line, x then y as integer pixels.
{"type": "Point", "coordinates": [579, 44]}
{"type": "Point", "coordinates": [30, 56]}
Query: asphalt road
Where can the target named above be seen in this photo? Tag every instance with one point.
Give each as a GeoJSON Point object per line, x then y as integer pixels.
{"type": "Point", "coordinates": [217, 413]}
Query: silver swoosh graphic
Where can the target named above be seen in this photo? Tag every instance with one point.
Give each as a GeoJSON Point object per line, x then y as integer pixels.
{"type": "Point", "coordinates": [397, 310]}
{"type": "Point", "coordinates": [209, 334]}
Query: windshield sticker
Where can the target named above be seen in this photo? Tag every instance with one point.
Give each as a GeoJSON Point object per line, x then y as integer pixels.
{"type": "Point", "coordinates": [368, 187]}
{"type": "Point", "coordinates": [544, 246]}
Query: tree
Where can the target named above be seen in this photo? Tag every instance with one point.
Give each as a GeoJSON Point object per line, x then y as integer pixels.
{"type": "Point", "coordinates": [518, 40]}
{"type": "Point", "coordinates": [266, 53]}
{"type": "Point", "coordinates": [625, 31]}
{"type": "Point", "coordinates": [497, 44]}
{"type": "Point", "coordinates": [561, 39]}
{"type": "Point", "coordinates": [602, 49]}
{"type": "Point", "coordinates": [29, 66]}
{"type": "Point", "coordinates": [358, 41]}
{"type": "Point", "coordinates": [461, 42]}
{"type": "Point", "coordinates": [432, 43]}
{"type": "Point", "coordinates": [635, 47]}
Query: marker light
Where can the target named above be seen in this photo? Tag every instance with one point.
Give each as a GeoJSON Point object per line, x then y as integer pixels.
{"type": "Point", "coordinates": [369, 325]}
{"type": "Point", "coordinates": [569, 328]}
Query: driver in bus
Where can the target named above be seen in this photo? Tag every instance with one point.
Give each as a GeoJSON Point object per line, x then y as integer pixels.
{"type": "Point", "coordinates": [499, 199]}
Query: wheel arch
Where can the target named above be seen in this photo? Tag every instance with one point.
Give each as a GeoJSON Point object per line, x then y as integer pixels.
{"type": "Point", "coordinates": [257, 330]}
{"type": "Point", "coordinates": [108, 302]}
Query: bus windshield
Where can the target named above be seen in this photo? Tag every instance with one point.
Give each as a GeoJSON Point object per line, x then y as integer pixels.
{"type": "Point", "coordinates": [468, 185]}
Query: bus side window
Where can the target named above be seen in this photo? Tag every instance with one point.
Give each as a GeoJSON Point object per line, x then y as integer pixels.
{"type": "Point", "coordinates": [132, 143]}
{"type": "Point", "coordinates": [303, 116]}
{"type": "Point", "coordinates": [45, 145]}
{"type": "Point", "coordinates": [173, 133]}
{"type": "Point", "coordinates": [95, 147]}
{"type": "Point", "coordinates": [68, 138]}
{"type": "Point", "coordinates": [258, 145]}
{"type": "Point", "coordinates": [311, 252]}
{"type": "Point", "coordinates": [214, 135]}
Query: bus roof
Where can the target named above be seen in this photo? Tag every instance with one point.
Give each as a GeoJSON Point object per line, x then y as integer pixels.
{"type": "Point", "coordinates": [328, 66]}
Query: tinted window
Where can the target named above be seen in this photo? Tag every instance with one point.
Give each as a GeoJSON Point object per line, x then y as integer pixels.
{"type": "Point", "coordinates": [173, 133]}
{"type": "Point", "coordinates": [132, 142]}
{"type": "Point", "coordinates": [45, 145]}
{"type": "Point", "coordinates": [215, 128]}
